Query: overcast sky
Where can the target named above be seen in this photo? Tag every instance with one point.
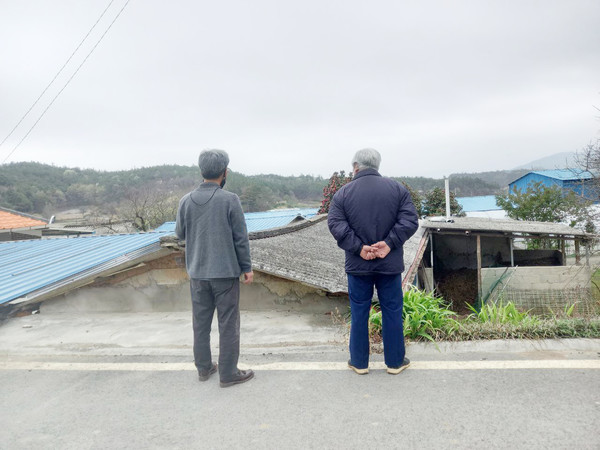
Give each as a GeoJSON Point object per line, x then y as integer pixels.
{"type": "Point", "coordinates": [296, 87]}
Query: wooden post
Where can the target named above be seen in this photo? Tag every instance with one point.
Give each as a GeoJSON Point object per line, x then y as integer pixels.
{"type": "Point", "coordinates": [431, 250]}
{"type": "Point", "coordinates": [587, 253]}
{"type": "Point", "coordinates": [577, 253]}
{"type": "Point", "coordinates": [479, 285]}
{"type": "Point", "coordinates": [563, 251]}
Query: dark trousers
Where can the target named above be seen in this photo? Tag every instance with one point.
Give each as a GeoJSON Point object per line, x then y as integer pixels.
{"type": "Point", "coordinates": [389, 291]}
{"type": "Point", "coordinates": [224, 295]}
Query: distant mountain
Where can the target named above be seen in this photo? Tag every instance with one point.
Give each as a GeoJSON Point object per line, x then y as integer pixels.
{"type": "Point", "coordinates": [563, 160]}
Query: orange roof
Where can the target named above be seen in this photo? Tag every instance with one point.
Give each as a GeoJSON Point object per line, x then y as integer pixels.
{"type": "Point", "coordinates": [11, 220]}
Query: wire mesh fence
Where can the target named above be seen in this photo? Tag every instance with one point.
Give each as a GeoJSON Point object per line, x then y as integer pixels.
{"type": "Point", "coordinates": [576, 294]}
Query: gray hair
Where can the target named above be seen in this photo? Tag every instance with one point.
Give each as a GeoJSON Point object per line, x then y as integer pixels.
{"type": "Point", "coordinates": [367, 158]}
{"type": "Point", "coordinates": [213, 163]}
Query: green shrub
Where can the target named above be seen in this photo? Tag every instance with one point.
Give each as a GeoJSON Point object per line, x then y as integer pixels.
{"type": "Point", "coordinates": [424, 316]}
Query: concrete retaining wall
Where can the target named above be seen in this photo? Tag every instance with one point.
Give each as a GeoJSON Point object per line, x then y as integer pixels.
{"type": "Point", "coordinates": [538, 278]}
{"type": "Point", "coordinates": [540, 289]}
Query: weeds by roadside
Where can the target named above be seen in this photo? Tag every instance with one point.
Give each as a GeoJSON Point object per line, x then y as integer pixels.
{"type": "Point", "coordinates": [427, 317]}
{"type": "Point", "coordinates": [537, 329]}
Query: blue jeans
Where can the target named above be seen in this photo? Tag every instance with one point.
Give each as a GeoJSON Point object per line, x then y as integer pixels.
{"type": "Point", "coordinates": [389, 291]}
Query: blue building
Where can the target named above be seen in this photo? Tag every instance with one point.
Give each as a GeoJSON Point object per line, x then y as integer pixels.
{"type": "Point", "coordinates": [481, 206]}
{"type": "Point", "coordinates": [578, 181]}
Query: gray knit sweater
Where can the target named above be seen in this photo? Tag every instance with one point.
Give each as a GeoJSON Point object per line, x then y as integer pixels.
{"type": "Point", "coordinates": [211, 222]}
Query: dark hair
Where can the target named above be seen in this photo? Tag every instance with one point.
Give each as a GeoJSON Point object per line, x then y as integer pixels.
{"type": "Point", "coordinates": [213, 163]}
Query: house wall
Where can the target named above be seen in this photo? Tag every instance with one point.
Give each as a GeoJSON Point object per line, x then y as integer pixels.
{"type": "Point", "coordinates": [163, 286]}
{"type": "Point", "coordinates": [531, 178]}
{"type": "Point", "coordinates": [7, 235]}
{"type": "Point", "coordinates": [583, 189]}
{"type": "Point", "coordinates": [539, 288]}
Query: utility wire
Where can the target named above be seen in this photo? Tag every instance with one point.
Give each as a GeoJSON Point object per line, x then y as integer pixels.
{"type": "Point", "coordinates": [66, 84]}
{"type": "Point", "coordinates": [57, 74]}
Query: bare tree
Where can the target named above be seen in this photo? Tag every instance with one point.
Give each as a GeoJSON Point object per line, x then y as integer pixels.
{"type": "Point", "coordinates": [108, 220]}
{"type": "Point", "coordinates": [149, 207]}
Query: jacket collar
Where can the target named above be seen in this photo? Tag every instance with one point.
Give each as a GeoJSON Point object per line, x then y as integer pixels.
{"type": "Point", "coordinates": [365, 172]}
{"type": "Point", "coordinates": [205, 185]}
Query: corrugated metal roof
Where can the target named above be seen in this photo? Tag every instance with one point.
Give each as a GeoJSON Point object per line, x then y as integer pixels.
{"type": "Point", "coordinates": [265, 220]}
{"type": "Point", "coordinates": [27, 266]}
{"type": "Point", "coordinates": [167, 226]}
{"type": "Point", "coordinates": [503, 226]}
{"type": "Point", "coordinates": [560, 174]}
{"type": "Point", "coordinates": [480, 203]}
{"type": "Point", "coordinates": [566, 174]}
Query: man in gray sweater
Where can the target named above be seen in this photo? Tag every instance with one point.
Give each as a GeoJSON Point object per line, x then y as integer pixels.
{"type": "Point", "coordinates": [217, 252]}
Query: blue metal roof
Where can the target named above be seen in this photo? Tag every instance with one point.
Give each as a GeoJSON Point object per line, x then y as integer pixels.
{"type": "Point", "coordinates": [167, 226]}
{"type": "Point", "coordinates": [26, 266]}
{"type": "Point", "coordinates": [260, 221]}
{"type": "Point", "coordinates": [29, 266]}
{"type": "Point", "coordinates": [480, 203]}
{"type": "Point", "coordinates": [566, 174]}
{"type": "Point", "coordinates": [265, 220]}
{"type": "Point", "coordinates": [560, 174]}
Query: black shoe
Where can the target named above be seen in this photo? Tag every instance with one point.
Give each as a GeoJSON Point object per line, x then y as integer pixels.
{"type": "Point", "coordinates": [205, 374]}
{"type": "Point", "coordinates": [240, 377]}
{"type": "Point", "coordinates": [397, 370]}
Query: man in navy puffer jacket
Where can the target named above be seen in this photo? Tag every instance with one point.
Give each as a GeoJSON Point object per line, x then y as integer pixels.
{"type": "Point", "coordinates": [371, 217]}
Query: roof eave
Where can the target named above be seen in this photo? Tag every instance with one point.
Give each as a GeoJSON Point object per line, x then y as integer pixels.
{"type": "Point", "coordinates": [88, 276]}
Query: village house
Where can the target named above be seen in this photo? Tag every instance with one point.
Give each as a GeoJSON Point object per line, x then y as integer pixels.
{"type": "Point", "coordinates": [298, 267]}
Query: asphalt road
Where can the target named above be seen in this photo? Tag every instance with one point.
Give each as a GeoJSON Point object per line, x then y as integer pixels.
{"type": "Point", "coordinates": [97, 409]}
{"type": "Point", "coordinates": [127, 381]}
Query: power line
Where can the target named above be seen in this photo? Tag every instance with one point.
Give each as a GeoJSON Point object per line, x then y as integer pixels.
{"type": "Point", "coordinates": [57, 74]}
{"type": "Point", "coordinates": [67, 83]}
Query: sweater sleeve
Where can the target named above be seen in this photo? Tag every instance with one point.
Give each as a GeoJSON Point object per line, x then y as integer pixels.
{"type": "Point", "coordinates": [240, 235]}
{"type": "Point", "coordinates": [180, 222]}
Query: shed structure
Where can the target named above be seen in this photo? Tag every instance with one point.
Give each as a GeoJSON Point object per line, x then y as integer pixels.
{"type": "Point", "coordinates": [476, 260]}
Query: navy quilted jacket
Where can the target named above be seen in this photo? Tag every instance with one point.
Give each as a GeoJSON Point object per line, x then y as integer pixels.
{"type": "Point", "coordinates": [369, 209]}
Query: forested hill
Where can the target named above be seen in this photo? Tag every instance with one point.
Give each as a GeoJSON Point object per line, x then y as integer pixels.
{"type": "Point", "coordinates": [45, 189]}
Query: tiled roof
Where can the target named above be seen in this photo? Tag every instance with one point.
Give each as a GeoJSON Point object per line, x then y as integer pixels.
{"type": "Point", "coordinates": [311, 256]}
{"type": "Point", "coordinates": [10, 220]}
